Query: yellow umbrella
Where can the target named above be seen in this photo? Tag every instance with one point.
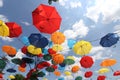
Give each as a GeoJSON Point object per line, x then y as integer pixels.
{"type": "Point", "coordinates": [33, 50]}
{"type": "Point", "coordinates": [82, 47]}
{"type": "Point", "coordinates": [70, 57]}
{"type": "Point", "coordinates": [67, 73]}
{"type": "Point", "coordinates": [57, 47]}
{"type": "Point", "coordinates": [12, 77]}
{"type": "Point", "coordinates": [58, 38]}
{"type": "Point", "coordinates": [4, 30]}
{"type": "Point", "coordinates": [103, 70]}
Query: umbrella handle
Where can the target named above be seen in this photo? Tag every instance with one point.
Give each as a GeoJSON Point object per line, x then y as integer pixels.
{"type": "Point", "coordinates": [111, 69]}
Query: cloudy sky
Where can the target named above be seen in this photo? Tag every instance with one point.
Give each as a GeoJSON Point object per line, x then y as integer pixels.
{"type": "Point", "coordinates": [81, 20]}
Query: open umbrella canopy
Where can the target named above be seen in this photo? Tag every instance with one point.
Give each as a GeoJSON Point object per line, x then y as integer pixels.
{"type": "Point", "coordinates": [71, 43]}
{"type": "Point", "coordinates": [82, 47]}
{"type": "Point", "coordinates": [86, 61]}
{"type": "Point", "coordinates": [11, 70]}
{"type": "Point", "coordinates": [57, 73]}
{"type": "Point", "coordinates": [75, 68]}
{"type": "Point", "coordinates": [27, 60]}
{"type": "Point", "coordinates": [38, 40]}
{"type": "Point", "coordinates": [108, 62]}
{"type": "Point", "coordinates": [58, 58]}
{"type": "Point", "coordinates": [57, 37]}
{"type": "Point", "coordinates": [2, 64]}
{"type": "Point", "coordinates": [4, 30]}
{"type": "Point", "coordinates": [11, 51]}
{"type": "Point", "coordinates": [69, 61]}
{"type": "Point", "coordinates": [88, 74]}
{"type": "Point", "coordinates": [109, 40]}
{"type": "Point", "coordinates": [67, 73]}
{"type": "Point", "coordinates": [14, 29]}
{"type": "Point", "coordinates": [78, 78]}
{"type": "Point", "coordinates": [57, 47]}
{"type": "Point", "coordinates": [116, 73]}
{"type": "Point", "coordinates": [46, 19]}
{"type": "Point", "coordinates": [101, 77]}
{"type": "Point", "coordinates": [103, 70]}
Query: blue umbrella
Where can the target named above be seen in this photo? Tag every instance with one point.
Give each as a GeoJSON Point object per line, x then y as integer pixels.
{"type": "Point", "coordinates": [71, 43]}
{"type": "Point", "coordinates": [25, 40]}
{"type": "Point", "coordinates": [11, 70]}
{"type": "Point", "coordinates": [38, 40]}
{"type": "Point", "coordinates": [109, 40]}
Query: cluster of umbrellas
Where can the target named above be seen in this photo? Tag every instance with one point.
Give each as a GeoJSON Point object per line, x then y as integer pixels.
{"type": "Point", "coordinates": [41, 56]}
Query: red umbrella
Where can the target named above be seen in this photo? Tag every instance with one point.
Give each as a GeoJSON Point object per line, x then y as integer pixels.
{"type": "Point", "coordinates": [88, 74]}
{"type": "Point", "coordinates": [116, 73]}
{"type": "Point", "coordinates": [14, 28]}
{"type": "Point", "coordinates": [101, 77]}
{"type": "Point", "coordinates": [86, 61]}
{"type": "Point", "coordinates": [46, 19]}
{"type": "Point", "coordinates": [43, 64]}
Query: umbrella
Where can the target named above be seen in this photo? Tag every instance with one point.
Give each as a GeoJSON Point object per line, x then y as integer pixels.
{"type": "Point", "coordinates": [101, 77]}
{"type": "Point", "coordinates": [57, 73]}
{"type": "Point", "coordinates": [24, 49]}
{"type": "Point", "coordinates": [103, 70]}
{"type": "Point", "coordinates": [116, 73]}
{"type": "Point", "coordinates": [108, 62]}
{"type": "Point", "coordinates": [38, 40]}
{"type": "Point", "coordinates": [2, 64]}
{"type": "Point", "coordinates": [86, 61]}
{"type": "Point", "coordinates": [57, 37]}
{"type": "Point", "coordinates": [40, 74]}
{"type": "Point", "coordinates": [19, 77]}
{"type": "Point", "coordinates": [69, 61]}
{"type": "Point", "coordinates": [27, 60]}
{"type": "Point", "coordinates": [54, 66]}
{"type": "Point", "coordinates": [47, 57]}
{"type": "Point", "coordinates": [51, 51]}
{"type": "Point", "coordinates": [11, 51]}
{"type": "Point", "coordinates": [11, 70]}
{"type": "Point", "coordinates": [58, 58]}
{"type": "Point", "coordinates": [14, 29]}
{"type": "Point", "coordinates": [82, 47]}
{"type": "Point", "coordinates": [4, 30]}
{"type": "Point", "coordinates": [46, 19]}
{"type": "Point", "coordinates": [50, 69]}
{"type": "Point", "coordinates": [25, 40]}
{"type": "Point", "coordinates": [67, 73]}
{"type": "Point", "coordinates": [57, 47]}
{"type": "Point", "coordinates": [17, 61]}
{"type": "Point", "coordinates": [78, 78]}
{"type": "Point", "coordinates": [70, 57]}
{"type": "Point", "coordinates": [12, 77]}
{"type": "Point", "coordinates": [21, 69]}
{"type": "Point", "coordinates": [109, 40]}
{"type": "Point", "coordinates": [88, 74]}
{"type": "Point", "coordinates": [75, 69]}
{"type": "Point", "coordinates": [43, 64]}
{"type": "Point", "coordinates": [71, 43]}
{"type": "Point", "coordinates": [33, 50]}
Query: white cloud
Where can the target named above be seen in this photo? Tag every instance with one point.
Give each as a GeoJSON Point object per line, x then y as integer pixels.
{"type": "Point", "coordinates": [99, 51]}
{"type": "Point", "coordinates": [117, 29]}
{"type": "Point", "coordinates": [3, 18]}
{"type": "Point", "coordinates": [26, 23]}
{"type": "Point", "coordinates": [108, 8]}
{"type": "Point", "coordinates": [6, 39]}
{"type": "Point", "coordinates": [1, 3]}
{"type": "Point", "coordinates": [79, 29]}
{"type": "Point", "coordinates": [70, 4]}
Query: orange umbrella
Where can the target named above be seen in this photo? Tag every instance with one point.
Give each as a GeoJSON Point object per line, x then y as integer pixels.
{"type": "Point", "coordinates": [75, 69]}
{"type": "Point", "coordinates": [108, 62]}
{"type": "Point", "coordinates": [57, 73]}
{"type": "Point", "coordinates": [21, 69]}
{"type": "Point", "coordinates": [58, 58]}
{"type": "Point", "coordinates": [11, 51]}
{"type": "Point", "coordinates": [58, 38]}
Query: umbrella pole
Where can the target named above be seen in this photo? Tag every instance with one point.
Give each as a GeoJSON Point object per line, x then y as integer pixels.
{"type": "Point", "coordinates": [111, 69]}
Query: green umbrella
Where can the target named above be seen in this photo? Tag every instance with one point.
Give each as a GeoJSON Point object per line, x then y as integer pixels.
{"type": "Point", "coordinates": [50, 69]}
{"type": "Point", "coordinates": [2, 64]}
{"type": "Point", "coordinates": [69, 61]}
{"type": "Point", "coordinates": [78, 78]}
{"type": "Point", "coordinates": [47, 57]}
{"type": "Point", "coordinates": [40, 74]}
{"type": "Point", "coordinates": [16, 61]}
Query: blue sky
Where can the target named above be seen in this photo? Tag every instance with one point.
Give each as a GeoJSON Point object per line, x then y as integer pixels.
{"type": "Point", "coordinates": [81, 20]}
